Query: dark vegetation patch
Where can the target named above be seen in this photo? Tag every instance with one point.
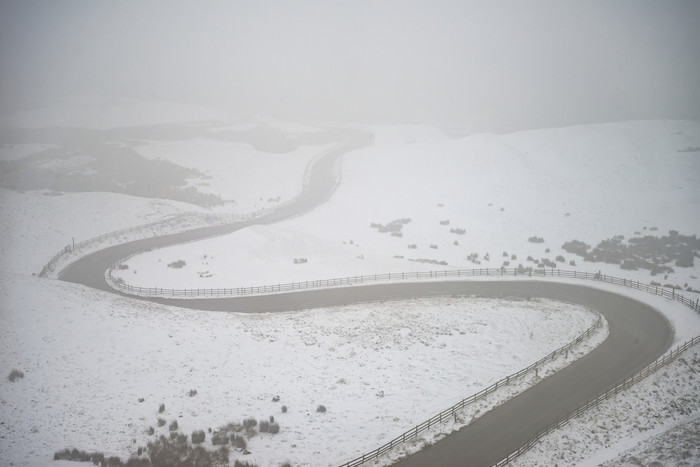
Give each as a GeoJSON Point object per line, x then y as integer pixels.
{"type": "Point", "coordinates": [458, 231]}
{"type": "Point", "coordinates": [176, 450]}
{"type": "Point", "coordinates": [647, 252]}
{"type": "Point", "coordinates": [429, 261]}
{"type": "Point", "coordinates": [393, 227]}
{"type": "Point", "coordinates": [535, 239]}
{"type": "Point", "coordinates": [15, 375]}
{"type": "Point", "coordinates": [179, 264]}
{"type": "Point", "coordinates": [88, 160]}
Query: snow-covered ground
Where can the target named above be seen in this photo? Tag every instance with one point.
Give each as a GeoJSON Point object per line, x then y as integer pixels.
{"type": "Point", "coordinates": [588, 183]}
{"type": "Point", "coordinates": [88, 356]}
{"type": "Point", "coordinates": [654, 423]}
{"type": "Point", "coordinates": [233, 169]}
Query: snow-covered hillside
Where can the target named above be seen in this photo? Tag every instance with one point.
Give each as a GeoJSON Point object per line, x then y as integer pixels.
{"type": "Point", "coordinates": [479, 194]}
{"type": "Point", "coordinates": [89, 357]}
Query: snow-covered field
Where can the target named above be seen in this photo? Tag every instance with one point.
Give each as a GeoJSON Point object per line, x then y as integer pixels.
{"type": "Point", "coordinates": [654, 423]}
{"type": "Point", "coordinates": [588, 183]}
{"type": "Point", "coordinates": [88, 357]}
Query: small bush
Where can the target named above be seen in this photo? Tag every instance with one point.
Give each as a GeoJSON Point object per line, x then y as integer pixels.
{"type": "Point", "coordinates": [413, 246]}
{"type": "Point", "coordinates": [179, 264]}
{"type": "Point", "coordinates": [161, 422]}
{"type": "Point", "coordinates": [286, 464]}
{"type": "Point", "coordinates": [300, 260]}
{"type": "Point", "coordinates": [284, 409]}
{"type": "Point", "coordinates": [445, 222]}
{"type": "Point", "coordinates": [535, 239]}
{"type": "Point", "coordinates": [173, 425]}
{"type": "Point", "coordinates": [238, 441]}
{"type": "Point", "coordinates": [505, 254]}
{"type": "Point", "coordinates": [161, 408]}
{"type": "Point", "coordinates": [264, 426]}
{"type": "Point", "coordinates": [560, 259]}
{"type": "Point", "coordinates": [198, 436]}
{"type": "Point", "coordinates": [274, 428]}
{"type": "Point", "coordinates": [249, 423]}
{"type": "Point", "coordinates": [15, 375]}
{"type": "Point", "coordinates": [219, 439]}
{"type": "Point", "coordinates": [434, 247]}
{"type": "Point", "coordinates": [275, 398]}
{"type": "Point", "coordinates": [572, 263]}
{"type": "Point", "coordinates": [192, 393]}
{"type": "Point", "coordinates": [272, 419]}
{"type": "Point", "coordinates": [321, 409]}
{"type": "Point", "coordinates": [151, 430]}
{"type": "Point", "coordinates": [238, 463]}
{"type": "Point", "coordinates": [458, 231]}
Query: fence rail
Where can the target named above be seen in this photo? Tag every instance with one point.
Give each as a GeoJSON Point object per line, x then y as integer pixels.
{"type": "Point", "coordinates": [206, 219]}
{"type": "Point", "coordinates": [670, 293]}
{"type": "Point", "coordinates": [634, 379]}
{"type": "Point", "coordinates": [451, 412]}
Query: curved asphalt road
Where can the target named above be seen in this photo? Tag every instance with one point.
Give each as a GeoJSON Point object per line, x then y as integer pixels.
{"type": "Point", "coordinates": [638, 333]}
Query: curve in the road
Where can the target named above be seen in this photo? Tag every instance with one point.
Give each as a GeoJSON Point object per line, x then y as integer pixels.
{"type": "Point", "coordinates": [638, 333]}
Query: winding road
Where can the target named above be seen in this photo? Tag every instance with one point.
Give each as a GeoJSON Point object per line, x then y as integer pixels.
{"type": "Point", "coordinates": [638, 333]}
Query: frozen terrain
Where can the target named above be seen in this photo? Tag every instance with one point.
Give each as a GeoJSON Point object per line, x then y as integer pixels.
{"type": "Point", "coordinates": [478, 194]}
{"type": "Point", "coordinates": [88, 357]}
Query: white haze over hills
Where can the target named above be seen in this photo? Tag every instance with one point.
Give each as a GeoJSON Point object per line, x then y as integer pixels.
{"type": "Point", "coordinates": [587, 183]}
{"type": "Point", "coordinates": [560, 120]}
{"type": "Point", "coordinates": [121, 350]}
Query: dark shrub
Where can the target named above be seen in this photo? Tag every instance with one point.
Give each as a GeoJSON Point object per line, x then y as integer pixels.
{"type": "Point", "coordinates": [275, 398]}
{"type": "Point", "coordinates": [161, 422]}
{"type": "Point", "coordinates": [321, 408]}
{"type": "Point", "coordinates": [249, 422]}
{"type": "Point", "coordinates": [284, 409]}
{"type": "Point", "coordinates": [535, 239]}
{"type": "Point", "coordinates": [179, 264]}
{"type": "Point", "coordinates": [238, 441]}
{"type": "Point", "coordinates": [192, 393]}
{"type": "Point", "coordinates": [264, 426]}
{"type": "Point", "coordinates": [238, 463]}
{"type": "Point", "coordinates": [198, 436]}
{"type": "Point", "coordinates": [274, 428]}
{"type": "Point", "coordinates": [576, 247]}
{"type": "Point", "coordinates": [560, 259]}
{"type": "Point", "coordinates": [151, 430]}
{"type": "Point", "coordinates": [272, 419]}
{"type": "Point", "coordinates": [161, 408]}
{"type": "Point", "coordinates": [15, 375]}
{"type": "Point", "coordinates": [173, 425]}
{"type": "Point", "coordinates": [219, 438]}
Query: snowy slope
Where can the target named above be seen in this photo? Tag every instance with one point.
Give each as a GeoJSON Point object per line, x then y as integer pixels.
{"type": "Point", "coordinates": [88, 357]}
{"type": "Point", "coordinates": [587, 183]}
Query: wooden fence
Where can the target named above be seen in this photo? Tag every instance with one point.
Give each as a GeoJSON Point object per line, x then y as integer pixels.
{"type": "Point", "coordinates": [451, 412]}
{"type": "Point", "coordinates": [208, 219]}
{"type": "Point", "coordinates": [667, 292]}
{"type": "Point", "coordinates": [634, 379]}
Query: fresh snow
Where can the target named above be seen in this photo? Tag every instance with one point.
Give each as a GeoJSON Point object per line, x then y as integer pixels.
{"type": "Point", "coordinates": [653, 423]}
{"type": "Point", "coordinates": [229, 167]}
{"type": "Point", "coordinates": [89, 356]}
{"type": "Point", "coordinates": [378, 370]}
{"type": "Point", "coordinates": [587, 183]}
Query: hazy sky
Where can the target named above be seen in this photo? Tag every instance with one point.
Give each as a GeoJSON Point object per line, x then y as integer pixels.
{"type": "Point", "coordinates": [527, 63]}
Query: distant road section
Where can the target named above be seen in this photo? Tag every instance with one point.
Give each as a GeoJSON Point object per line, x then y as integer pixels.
{"type": "Point", "coordinates": [638, 333]}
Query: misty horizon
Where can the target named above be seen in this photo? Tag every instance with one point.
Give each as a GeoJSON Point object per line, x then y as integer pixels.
{"type": "Point", "coordinates": [510, 65]}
